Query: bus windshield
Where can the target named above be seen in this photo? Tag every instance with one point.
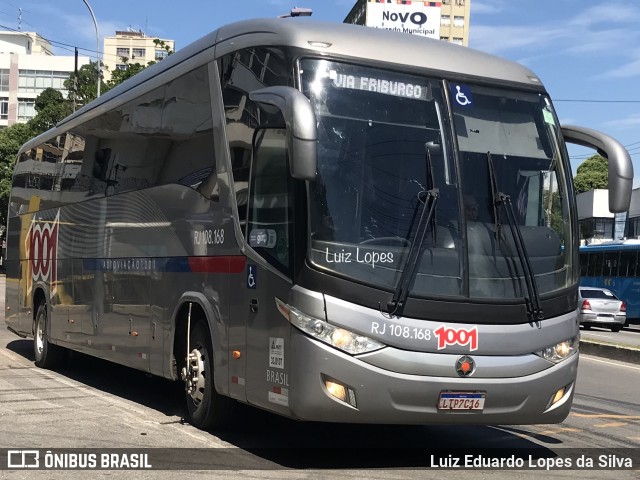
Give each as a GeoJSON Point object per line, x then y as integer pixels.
{"type": "Point", "coordinates": [385, 140]}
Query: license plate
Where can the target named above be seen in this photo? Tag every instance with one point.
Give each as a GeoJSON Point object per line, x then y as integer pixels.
{"type": "Point", "coordinates": [461, 401]}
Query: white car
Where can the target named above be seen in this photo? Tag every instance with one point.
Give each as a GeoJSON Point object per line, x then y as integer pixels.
{"type": "Point", "coordinates": [599, 306]}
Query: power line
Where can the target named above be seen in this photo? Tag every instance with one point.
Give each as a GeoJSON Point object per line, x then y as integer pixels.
{"type": "Point", "coordinates": [62, 44]}
{"type": "Point", "coordinates": [594, 101]}
{"type": "Point", "coordinates": [13, 6]}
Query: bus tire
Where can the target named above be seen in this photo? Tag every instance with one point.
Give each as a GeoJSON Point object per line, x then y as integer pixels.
{"type": "Point", "coordinates": [206, 408]}
{"type": "Point", "coordinates": [45, 353]}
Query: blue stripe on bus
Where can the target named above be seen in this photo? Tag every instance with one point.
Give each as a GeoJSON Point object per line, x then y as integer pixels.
{"type": "Point", "coordinates": [218, 264]}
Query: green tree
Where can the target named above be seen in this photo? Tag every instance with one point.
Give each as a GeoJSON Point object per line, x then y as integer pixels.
{"type": "Point", "coordinates": [592, 173]}
{"type": "Point", "coordinates": [120, 75]}
{"type": "Point", "coordinates": [51, 107]}
{"type": "Point", "coordinates": [87, 86]}
{"type": "Point", "coordinates": [554, 212]}
{"type": "Point", "coordinates": [11, 139]}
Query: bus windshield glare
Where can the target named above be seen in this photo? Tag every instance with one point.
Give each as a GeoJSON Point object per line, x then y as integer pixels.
{"type": "Point", "coordinates": [386, 138]}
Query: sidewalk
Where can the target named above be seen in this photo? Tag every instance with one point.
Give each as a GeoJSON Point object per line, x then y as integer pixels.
{"type": "Point", "coordinates": [620, 352]}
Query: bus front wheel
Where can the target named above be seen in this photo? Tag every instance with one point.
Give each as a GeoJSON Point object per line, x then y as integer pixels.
{"type": "Point", "coordinates": [46, 355]}
{"type": "Point", "coordinates": [206, 407]}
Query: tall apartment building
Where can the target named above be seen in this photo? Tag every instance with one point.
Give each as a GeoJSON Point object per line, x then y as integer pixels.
{"type": "Point", "coordinates": [27, 67]}
{"type": "Point", "coordinates": [453, 24]}
{"type": "Point", "coordinates": [133, 45]}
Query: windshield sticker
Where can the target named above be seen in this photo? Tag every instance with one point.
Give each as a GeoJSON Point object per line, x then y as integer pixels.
{"type": "Point", "coordinates": [548, 116]}
{"type": "Point", "coordinates": [461, 94]}
{"type": "Point", "coordinates": [276, 352]}
{"type": "Point", "coordinates": [372, 258]}
{"type": "Point", "coordinates": [279, 396]}
{"type": "Point", "coordinates": [378, 84]}
{"type": "Point", "coordinates": [262, 237]}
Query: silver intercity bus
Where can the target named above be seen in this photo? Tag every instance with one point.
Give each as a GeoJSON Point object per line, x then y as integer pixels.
{"type": "Point", "coordinates": [327, 221]}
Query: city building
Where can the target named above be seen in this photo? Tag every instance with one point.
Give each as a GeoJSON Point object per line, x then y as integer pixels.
{"type": "Point", "coordinates": [134, 46]}
{"type": "Point", "coordinates": [27, 67]}
{"type": "Point", "coordinates": [597, 224]}
{"type": "Point", "coordinates": [447, 19]}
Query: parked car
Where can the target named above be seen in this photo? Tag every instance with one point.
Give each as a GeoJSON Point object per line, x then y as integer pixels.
{"type": "Point", "coordinates": [599, 306]}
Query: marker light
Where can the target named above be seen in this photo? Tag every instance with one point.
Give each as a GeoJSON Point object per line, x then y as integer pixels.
{"type": "Point", "coordinates": [341, 392]}
{"type": "Point", "coordinates": [317, 44]}
{"type": "Point", "coordinates": [340, 338]}
{"type": "Point", "coordinates": [560, 351]}
{"type": "Point", "coordinates": [559, 394]}
{"type": "Point", "coordinates": [559, 398]}
{"type": "Point", "coordinates": [337, 390]}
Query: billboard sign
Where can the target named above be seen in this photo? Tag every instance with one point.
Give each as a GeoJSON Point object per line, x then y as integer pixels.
{"type": "Point", "coordinates": [408, 16]}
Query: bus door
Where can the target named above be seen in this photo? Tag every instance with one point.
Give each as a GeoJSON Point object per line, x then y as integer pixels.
{"type": "Point", "coordinates": [269, 267]}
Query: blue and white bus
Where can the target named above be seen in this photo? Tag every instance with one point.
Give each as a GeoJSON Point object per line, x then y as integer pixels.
{"type": "Point", "coordinates": [614, 266]}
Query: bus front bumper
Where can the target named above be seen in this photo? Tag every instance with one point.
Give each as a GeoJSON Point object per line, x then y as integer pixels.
{"type": "Point", "coordinates": [385, 397]}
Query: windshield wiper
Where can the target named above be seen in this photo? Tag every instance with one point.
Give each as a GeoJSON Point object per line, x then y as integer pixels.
{"type": "Point", "coordinates": [428, 202]}
{"type": "Point", "coordinates": [500, 199]}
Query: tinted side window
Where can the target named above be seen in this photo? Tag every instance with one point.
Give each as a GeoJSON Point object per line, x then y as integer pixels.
{"type": "Point", "coordinates": [610, 264]}
{"type": "Point", "coordinates": [46, 171]}
{"type": "Point", "coordinates": [584, 264]}
{"type": "Point", "coordinates": [241, 73]}
{"type": "Point", "coordinates": [165, 136]}
{"type": "Point", "coordinates": [595, 265]}
{"type": "Point", "coordinates": [270, 224]}
{"type": "Point", "coordinates": [627, 263]}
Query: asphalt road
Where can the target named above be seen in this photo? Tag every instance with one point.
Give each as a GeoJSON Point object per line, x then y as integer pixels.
{"type": "Point", "coordinates": [90, 403]}
{"type": "Point", "coordinates": [627, 336]}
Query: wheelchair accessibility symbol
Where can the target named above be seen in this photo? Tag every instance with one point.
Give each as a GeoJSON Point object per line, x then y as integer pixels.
{"type": "Point", "coordinates": [462, 95]}
{"type": "Point", "coordinates": [251, 276]}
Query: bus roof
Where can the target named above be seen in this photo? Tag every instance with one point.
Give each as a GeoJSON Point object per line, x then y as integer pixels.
{"type": "Point", "coordinates": [344, 40]}
{"type": "Point", "coordinates": [632, 244]}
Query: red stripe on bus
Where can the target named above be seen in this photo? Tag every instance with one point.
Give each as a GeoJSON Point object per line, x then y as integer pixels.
{"type": "Point", "coordinates": [224, 264]}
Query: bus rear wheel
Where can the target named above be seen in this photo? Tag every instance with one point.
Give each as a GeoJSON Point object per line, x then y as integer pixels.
{"type": "Point", "coordinates": [206, 407]}
{"type": "Point", "coordinates": [46, 355]}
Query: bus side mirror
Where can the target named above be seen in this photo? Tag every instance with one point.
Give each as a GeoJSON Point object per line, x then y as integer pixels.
{"type": "Point", "coordinates": [300, 120]}
{"type": "Point", "coordinates": [620, 166]}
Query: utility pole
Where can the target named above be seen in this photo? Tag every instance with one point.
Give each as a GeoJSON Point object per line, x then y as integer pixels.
{"type": "Point", "coordinates": [75, 81]}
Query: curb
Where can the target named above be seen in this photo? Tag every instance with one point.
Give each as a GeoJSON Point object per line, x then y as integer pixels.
{"type": "Point", "coordinates": [612, 352]}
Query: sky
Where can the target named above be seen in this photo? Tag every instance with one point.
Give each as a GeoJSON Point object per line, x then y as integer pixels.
{"type": "Point", "coordinates": [586, 52]}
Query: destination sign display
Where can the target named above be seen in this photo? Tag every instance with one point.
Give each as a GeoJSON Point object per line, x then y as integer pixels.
{"type": "Point", "coordinates": [382, 82]}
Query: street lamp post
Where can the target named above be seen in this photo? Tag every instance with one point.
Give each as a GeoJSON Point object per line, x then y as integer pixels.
{"type": "Point", "coordinates": [95, 23]}
{"type": "Point", "coordinates": [298, 12]}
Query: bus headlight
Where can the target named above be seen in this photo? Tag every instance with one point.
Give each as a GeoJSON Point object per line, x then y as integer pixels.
{"type": "Point", "coordinates": [340, 338]}
{"type": "Point", "coordinates": [560, 351]}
